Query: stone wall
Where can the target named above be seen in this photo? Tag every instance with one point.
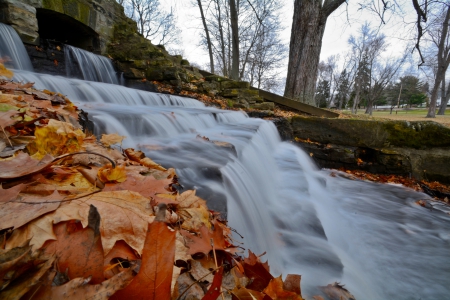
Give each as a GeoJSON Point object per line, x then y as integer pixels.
{"type": "Point", "coordinates": [418, 149]}
{"type": "Point", "coordinates": [100, 16]}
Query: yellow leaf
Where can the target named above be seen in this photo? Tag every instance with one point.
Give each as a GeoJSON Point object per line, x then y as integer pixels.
{"type": "Point", "coordinates": [5, 72]}
{"type": "Point", "coordinates": [198, 217]}
{"type": "Point", "coordinates": [108, 174]}
{"type": "Point", "coordinates": [56, 138]}
{"type": "Point", "coordinates": [111, 139]}
{"type": "Point", "coordinates": [151, 164]}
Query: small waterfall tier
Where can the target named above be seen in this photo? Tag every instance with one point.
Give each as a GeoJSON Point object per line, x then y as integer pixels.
{"type": "Point", "coordinates": [12, 50]}
{"type": "Point", "coordinates": [93, 67]}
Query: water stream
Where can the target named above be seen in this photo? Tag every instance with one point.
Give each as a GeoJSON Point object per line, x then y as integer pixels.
{"type": "Point", "coordinates": [370, 237]}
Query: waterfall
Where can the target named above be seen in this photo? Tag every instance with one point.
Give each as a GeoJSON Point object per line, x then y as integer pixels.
{"type": "Point", "coordinates": [15, 57]}
{"type": "Point", "coordinates": [93, 67]}
{"type": "Point", "coordinates": [371, 237]}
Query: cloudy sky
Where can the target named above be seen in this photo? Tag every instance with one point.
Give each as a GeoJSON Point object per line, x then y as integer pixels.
{"type": "Point", "coordinates": [341, 24]}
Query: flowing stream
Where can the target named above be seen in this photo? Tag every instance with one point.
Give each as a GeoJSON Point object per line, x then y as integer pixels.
{"type": "Point", "coordinates": [371, 237]}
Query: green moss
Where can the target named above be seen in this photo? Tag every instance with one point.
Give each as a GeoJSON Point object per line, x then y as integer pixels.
{"type": "Point", "coordinates": [230, 103]}
{"type": "Point", "coordinates": [55, 5]}
{"type": "Point", "coordinates": [417, 134]}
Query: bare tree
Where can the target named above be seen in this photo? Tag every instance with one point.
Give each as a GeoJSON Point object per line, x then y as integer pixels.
{"type": "Point", "coordinates": [153, 22]}
{"type": "Point", "coordinates": [440, 38]}
{"type": "Point", "coordinates": [208, 39]}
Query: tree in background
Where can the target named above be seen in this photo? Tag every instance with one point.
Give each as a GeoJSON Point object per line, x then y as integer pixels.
{"type": "Point", "coordinates": [261, 51]}
{"type": "Point", "coordinates": [153, 22]}
{"type": "Point", "coordinates": [343, 88]}
{"type": "Point", "coordinates": [308, 27]}
{"type": "Point", "coordinates": [437, 15]}
{"type": "Point", "coordinates": [322, 93]}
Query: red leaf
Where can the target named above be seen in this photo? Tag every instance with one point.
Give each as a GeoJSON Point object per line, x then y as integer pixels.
{"type": "Point", "coordinates": [257, 272]}
{"type": "Point", "coordinates": [79, 250]}
{"type": "Point", "coordinates": [214, 290]}
{"type": "Point", "coordinates": [202, 243]}
{"type": "Point", "coordinates": [154, 279]}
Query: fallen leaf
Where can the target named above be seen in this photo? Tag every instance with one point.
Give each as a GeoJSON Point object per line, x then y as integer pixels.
{"type": "Point", "coordinates": [202, 242]}
{"type": "Point", "coordinates": [125, 216]}
{"type": "Point", "coordinates": [257, 272]}
{"type": "Point", "coordinates": [215, 288]}
{"type": "Point", "coordinates": [139, 156]}
{"type": "Point", "coordinates": [111, 139]}
{"type": "Point", "coordinates": [56, 138]}
{"type": "Point", "coordinates": [26, 85]}
{"type": "Point", "coordinates": [337, 291]}
{"type": "Point", "coordinates": [246, 294]}
{"type": "Point", "coordinates": [5, 72]}
{"type": "Point", "coordinates": [292, 283]}
{"type": "Point", "coordinates": [5, 118]}
{"type": "Point", "coordinates": [121, 250]}
{"type": "Point", "coordinates": [24, 283]}
{"type": "Point", "coordinates": [147, 186]}
{"type": "Point", "coordinates": [22, 164]}
{"type": "Point", "coordinates": [79, 250]}
{"type": "Point", "coordinates": [11, 193]}
{"type": "Point", "coordinates": [109, 174]}
{"type": "Point", "coordinates": [15, 213]}
{"type": "Point", "coordinates": [155, 275]}
{"type": "Point", "coordinates": [80, 289]}
{"type": "Point", "coordinates": [276, 291]}
{"type": "Point", "coordinates": [188, 287]}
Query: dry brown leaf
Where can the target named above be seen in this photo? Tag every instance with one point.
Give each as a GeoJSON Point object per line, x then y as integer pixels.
{"type": "Point", "coordinates": [202, 242]}
{"type": "Point", "coordinates": [139, 156]}
{"type": "Point", "coordinates": [147, 186]}
{"type": "Point", "coordinates": [276, 291]}
{"type": "Point", "coordinates": [215, 289]}
{"type": "Point", "coordinates": [5, 118]}
{"type": "Point", "coordinates": [22, 164]}
{"type": "Point", "coordinates": [111, 139]}
{"type": "Point", "coordinates": [24, 283]}
{"type": "Point", "coordinates": [80, 289]}
{"type": "Point", "coordinates": [257, 272]}
{"type": "Point", "coordinates": [185, 281]}
{"type": "Point", "coordinates": [246, 294]}
{"type": "Point", "coordinates": [125, 216]}
{"type": "Point", "coordinates": [11, 193]}
{"type": "Point", "coordinates": [15, 214]}
{"type": "Point", "coordinates": [120, 250]}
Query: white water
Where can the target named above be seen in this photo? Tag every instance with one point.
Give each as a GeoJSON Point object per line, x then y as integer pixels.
{"type": "Point", "coordinates": [16, 57]}
{"type": "Point", "coordinates": [93, 67]}
{"type": "Point", "coordinates": [370, 237]}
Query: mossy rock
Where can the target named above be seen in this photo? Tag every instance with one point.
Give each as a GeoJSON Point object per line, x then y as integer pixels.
{"type": "Point", "coordinates": [184, 62]}
{"type": "Point", "coordinates": [230, 93]}
{"type": "Point", "coordinates": [235, 85]}
{"type": "Point", "coordinates": [216, 78]}
{"type": "Point", "coordinates": [153, 73]}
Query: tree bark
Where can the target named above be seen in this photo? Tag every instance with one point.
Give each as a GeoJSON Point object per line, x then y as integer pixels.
{"type": "Point", "coordinates": [308, 27]}
{"type": "Point", "coordinates": [208, 39]}
{"type": "Point", "coordinates": [443, 58]}
{"type": "Point", "coordinates": [444, 101]}
{"type": "Point", "coordinates": [235, 40]}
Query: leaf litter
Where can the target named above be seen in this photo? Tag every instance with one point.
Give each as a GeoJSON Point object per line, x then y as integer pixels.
{"type": "Point", "coordinates": [82, 220]}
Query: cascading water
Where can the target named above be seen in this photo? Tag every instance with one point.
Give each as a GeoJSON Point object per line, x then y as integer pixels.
{"type": "Point", "coordinates": [15, 57]}
{"type": "Point", "coordinates": [370, 237]}
{"type": "Point", "coordinates": [93, 67]}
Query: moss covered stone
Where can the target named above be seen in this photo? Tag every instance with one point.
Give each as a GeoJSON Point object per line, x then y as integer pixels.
{"type": "Point", "coordinates": [235, 85]}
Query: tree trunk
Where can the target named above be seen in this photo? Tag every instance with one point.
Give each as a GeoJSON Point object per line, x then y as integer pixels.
{"type": "Point", "coordinates": [208, 40]}
{"type": "Point", "coordinates": [235, 40]}
{"type": "Point", "coordinates": [222, 42]}
{"type": "Point", "coordinates": [308, 26]}
{"type": "Point", "coordinates": [443, 58]}
{"type": "Point", "coordinates": [444, 101]}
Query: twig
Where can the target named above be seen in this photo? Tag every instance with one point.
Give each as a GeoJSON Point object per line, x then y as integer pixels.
{"type": "Point", "coordinates": [7, 136]}
{"type": "Point", "coordinates": [84, 152]}
{"type": "Point", "coordinates": [215, 261]}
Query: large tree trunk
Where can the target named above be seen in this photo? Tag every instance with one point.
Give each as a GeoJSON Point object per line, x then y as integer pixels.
{"type": "Point", "coordinates": [235, 40]}
{"type": "Point", "coordinates": [208, 40]}
{"type": "Point", "coordinates": [443, 58]}
{"type": "Point", "coordinates": [308, 26]}
{"type": "Point", "coordinates": [444, 100]}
